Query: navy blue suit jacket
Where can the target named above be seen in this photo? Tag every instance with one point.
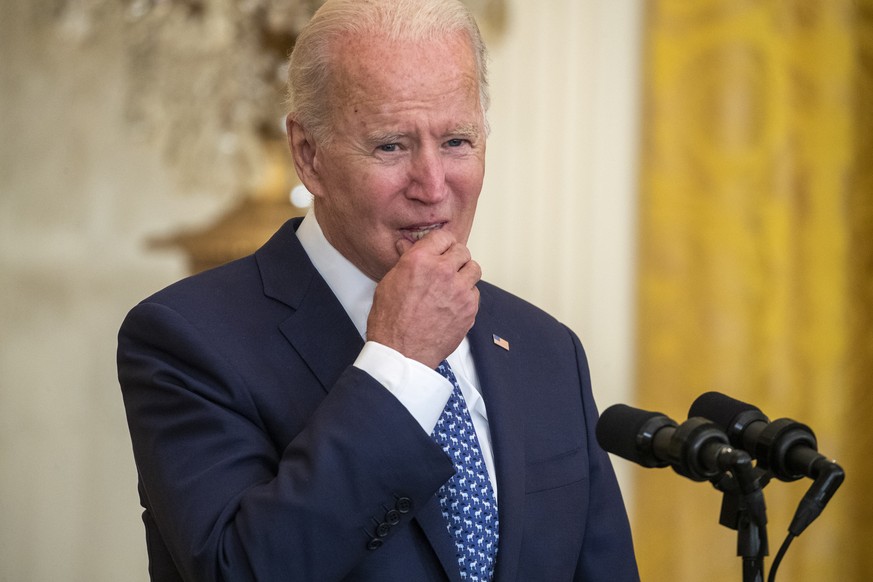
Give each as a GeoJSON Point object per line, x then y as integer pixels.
{"type": "Point", "coordinates": [263, 454]}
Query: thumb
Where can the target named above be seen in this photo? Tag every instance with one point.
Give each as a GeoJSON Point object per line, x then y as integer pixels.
{"type": "Point", "coordinates": [402, 245]}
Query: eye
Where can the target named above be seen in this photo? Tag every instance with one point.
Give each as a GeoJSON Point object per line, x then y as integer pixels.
{"type": "Point", "coordinates": [455, 143]}
{"type": "Point", "coordinates": [388, 147]}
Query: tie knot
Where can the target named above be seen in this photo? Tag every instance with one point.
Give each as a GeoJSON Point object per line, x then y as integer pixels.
{"type": "Point", "coordinates": [446, 372]}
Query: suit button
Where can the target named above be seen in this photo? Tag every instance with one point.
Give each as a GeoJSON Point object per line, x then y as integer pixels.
{"type": "Point", "coordinates": [382, 529]}
{"type": "Point", "coordinates": [374, 544]}
{"type": "Point", "coordinates": [392, 517]}
{"type": "Point", "coordinates": [404, 504]}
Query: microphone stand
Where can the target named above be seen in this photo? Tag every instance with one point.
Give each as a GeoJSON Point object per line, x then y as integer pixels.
{"type": "Point", "coordinates": [743, 509]}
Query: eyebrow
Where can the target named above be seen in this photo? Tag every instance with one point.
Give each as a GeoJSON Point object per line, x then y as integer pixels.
{"type": "Point", "coordinates": [385, 137]}
{"type": "Point", "coordinates": [467, 130]}
{"type": "Point", "coordinates": [470, 130]}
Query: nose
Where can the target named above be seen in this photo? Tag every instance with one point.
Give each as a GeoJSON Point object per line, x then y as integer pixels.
{"type": "Point", "coordinates": [427, 177]}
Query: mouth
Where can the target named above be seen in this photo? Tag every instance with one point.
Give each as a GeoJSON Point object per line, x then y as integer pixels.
{"type": "Point", "coordinates": [418, 232]}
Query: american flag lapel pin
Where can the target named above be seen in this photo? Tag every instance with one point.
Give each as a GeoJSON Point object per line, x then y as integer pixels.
{"type": "Point", "coordinates": [499, 341]}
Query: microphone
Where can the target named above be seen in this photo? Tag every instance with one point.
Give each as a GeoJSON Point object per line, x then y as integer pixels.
{"type": "Point", "coordinates": [786, 448]}
{"type": "Point", "coordinates": [696, 449]}
{"type": "Point", "coordinates": [700, 450]}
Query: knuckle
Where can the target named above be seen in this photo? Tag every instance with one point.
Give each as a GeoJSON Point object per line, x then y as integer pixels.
{"type": "Point", "coordinates": [445, 270]}
{"type": "Point", "coordinates": [445, 237]}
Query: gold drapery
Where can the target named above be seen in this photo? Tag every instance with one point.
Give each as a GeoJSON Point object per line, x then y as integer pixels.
{"type": "Point", "coordinates": [756, 262]}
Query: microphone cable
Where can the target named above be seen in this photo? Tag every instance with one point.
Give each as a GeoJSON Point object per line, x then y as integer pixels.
{"type": "Point", "coordinates": [777, 559]}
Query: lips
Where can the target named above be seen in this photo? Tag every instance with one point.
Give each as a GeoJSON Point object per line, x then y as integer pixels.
{"type": "Point", "coordinates": [416, 233]}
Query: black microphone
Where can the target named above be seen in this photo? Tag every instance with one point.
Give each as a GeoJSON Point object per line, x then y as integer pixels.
{"type": "Point", "coordinates": [696, 449]}
{"type": "Point", "coordinates": [786, 448]}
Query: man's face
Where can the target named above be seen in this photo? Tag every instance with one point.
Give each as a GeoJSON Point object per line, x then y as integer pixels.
{"type": "Point", "coordinates": [408, 154]}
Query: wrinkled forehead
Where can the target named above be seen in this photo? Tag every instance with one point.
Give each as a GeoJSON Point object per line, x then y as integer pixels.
{"type": "Point", "coordinates": [371, 68]}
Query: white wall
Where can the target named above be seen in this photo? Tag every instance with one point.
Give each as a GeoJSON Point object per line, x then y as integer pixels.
{"type": "Point", "coordinates": [556, 219]}
{"type": "Point", "coordinates": [80, 193]}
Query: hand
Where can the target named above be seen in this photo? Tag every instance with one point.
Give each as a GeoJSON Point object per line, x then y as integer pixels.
{"type": "Point", "coordinates": [427, 303]}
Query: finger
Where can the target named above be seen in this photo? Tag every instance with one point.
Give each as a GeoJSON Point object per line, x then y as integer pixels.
{"type": "Point", "coordinates": [459, 255]}
{"type": "Point", "coordinates": [403, 245]}
{"type": "Point", "coordinates": [471, 272]}
{"type": "Point", "coordinates": [436, 242]}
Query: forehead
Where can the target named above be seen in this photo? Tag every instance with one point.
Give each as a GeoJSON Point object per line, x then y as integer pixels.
{"type": "Point", "coordinates": [370, 71]}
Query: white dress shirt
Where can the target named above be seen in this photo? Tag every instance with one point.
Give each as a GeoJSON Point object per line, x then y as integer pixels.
{"type": "Point", "coordinates": [422, 390]}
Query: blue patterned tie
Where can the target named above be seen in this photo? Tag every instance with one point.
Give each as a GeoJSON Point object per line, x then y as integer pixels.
{"type": "Point", "coordinates": [467, 499]}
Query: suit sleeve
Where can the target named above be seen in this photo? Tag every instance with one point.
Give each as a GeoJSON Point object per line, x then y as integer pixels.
{"type": "Point", "coordinates": [230, 503]}
{"type": "Point", "coordinates": [607, 552]}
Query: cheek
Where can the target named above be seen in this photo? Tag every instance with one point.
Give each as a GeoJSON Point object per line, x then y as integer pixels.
{"type": "Point", "coordinates": [468, 184]}
{"type": "Point", "coordinates": [352, 195]}
{"type": "Point", "coordinates": [374, 191]}
{"type": "Point", "coordinates": [384, 181]}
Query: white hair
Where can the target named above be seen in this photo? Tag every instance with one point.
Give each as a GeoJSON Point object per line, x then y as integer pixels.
{"type": "Point", "coordinates": [411, 20]}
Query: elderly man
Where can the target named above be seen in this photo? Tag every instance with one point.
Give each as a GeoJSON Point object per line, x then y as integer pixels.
{"type": "Point", "coordinates": [352, 402]}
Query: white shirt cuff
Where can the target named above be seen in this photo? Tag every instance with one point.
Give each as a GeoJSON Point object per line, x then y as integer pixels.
{"type": "Point", "coordinates": [424, 392]}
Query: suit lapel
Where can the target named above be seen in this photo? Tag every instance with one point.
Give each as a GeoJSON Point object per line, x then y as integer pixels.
{"type": "Point", "coordinates": [319, 328]}
{"type": "Point", "coordinates": [326, 339]}
{"type": "Point", "coordinates": [506, 421]}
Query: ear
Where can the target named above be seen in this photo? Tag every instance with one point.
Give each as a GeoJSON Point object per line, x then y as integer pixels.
{"type": "Point", "coordinates": [304, 152]}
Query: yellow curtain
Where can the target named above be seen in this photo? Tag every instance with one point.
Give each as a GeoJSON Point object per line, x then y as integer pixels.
{"type": "Point", "coordinates": [756, 263]}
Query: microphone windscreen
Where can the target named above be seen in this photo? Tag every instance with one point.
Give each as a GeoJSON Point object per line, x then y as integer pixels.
{"type": "Point", "coordinates": [619, 429]}
{"type": "Point", "coordinates": [720, 409]}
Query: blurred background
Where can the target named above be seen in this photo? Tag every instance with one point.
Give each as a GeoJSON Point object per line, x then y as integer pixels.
{"type": "Point", "coordinates": [688, 185]}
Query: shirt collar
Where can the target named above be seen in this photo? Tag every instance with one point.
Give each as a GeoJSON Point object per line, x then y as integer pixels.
{"type": "Point", "coordinates": [355, 291]}
{"type": "Point", "coordinates": [350, 285]}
